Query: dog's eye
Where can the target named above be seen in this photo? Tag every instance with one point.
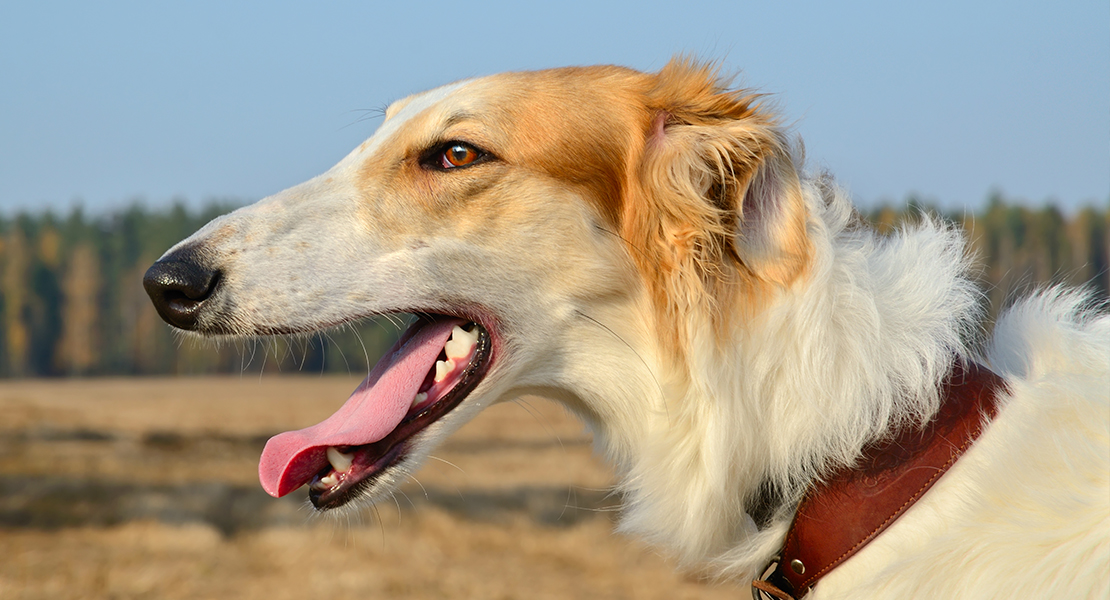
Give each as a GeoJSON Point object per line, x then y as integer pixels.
{"type": "Point", "coordinates": [458, 154]}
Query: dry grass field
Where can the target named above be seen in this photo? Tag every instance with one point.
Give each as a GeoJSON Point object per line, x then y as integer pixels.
{"type": "Point", "coordinates": [147, 488]}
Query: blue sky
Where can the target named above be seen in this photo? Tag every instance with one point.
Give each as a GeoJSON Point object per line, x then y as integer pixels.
{"type": "Point", "coordinates": [103, 104]}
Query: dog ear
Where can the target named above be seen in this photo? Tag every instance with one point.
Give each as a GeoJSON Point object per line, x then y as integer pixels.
{"type": "Point", "coordinates": [720, 176]}
{"type": "Point", "coordinates": [771, 238]}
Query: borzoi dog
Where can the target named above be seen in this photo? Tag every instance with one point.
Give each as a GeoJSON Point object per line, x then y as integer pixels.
{"type": "Point", "coordinates": [783, 393]}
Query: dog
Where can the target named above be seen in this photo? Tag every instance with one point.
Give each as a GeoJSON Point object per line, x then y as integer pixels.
{"type": "Point", "coordinates": [649, 250]}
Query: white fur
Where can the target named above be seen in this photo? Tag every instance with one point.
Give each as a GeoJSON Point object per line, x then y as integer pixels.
{"type": "Point", "coordinates": [1025, 508]}
{"type": "Point", "coordinates": [840, 357]}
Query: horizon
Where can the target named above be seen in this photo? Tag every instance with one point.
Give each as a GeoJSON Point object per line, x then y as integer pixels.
{"type": "Point", "coordinates": [196, 207]}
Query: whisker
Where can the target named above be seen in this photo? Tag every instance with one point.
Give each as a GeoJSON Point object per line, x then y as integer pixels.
{"type": "Point", "coordinates": [369, 115]}
{"type": "Point", "coordinates": [448, 463]}
{"type": "Point", "coordinates": [381, 524]}
{"type": "Point", "coordinates": [342, 354]}
{"type": "Point", "coordinates": [417, 481]}
{"type": "Point", "coordinates": [304, 353]}
{"type": "Point", "coordinates": [658, 386]}
{"type": "Point", "coordinates": [265, 353]}
{"type": "Point", "coordinates": [566, 503]}
{"type": "Point", "coordinates": [623, 239]}
{"type": "Point", "coordinates": [365, 353]}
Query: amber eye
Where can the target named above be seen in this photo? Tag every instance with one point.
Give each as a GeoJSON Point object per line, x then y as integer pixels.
{"type": "Point", "coordinates": [458, 155]}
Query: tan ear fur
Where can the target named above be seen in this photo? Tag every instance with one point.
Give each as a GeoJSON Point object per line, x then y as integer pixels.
{"type": "Point", "coordinates": [720, 221]}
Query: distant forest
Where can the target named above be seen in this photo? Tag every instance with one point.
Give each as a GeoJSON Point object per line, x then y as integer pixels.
{"type": "Point", "coordinates": [72, 301]}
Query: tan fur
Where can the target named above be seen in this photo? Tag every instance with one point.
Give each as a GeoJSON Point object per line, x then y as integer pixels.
{"type": "Point", "coordinates": [666, 159]}
{"type": "Point", "coordinates": [708, 148]}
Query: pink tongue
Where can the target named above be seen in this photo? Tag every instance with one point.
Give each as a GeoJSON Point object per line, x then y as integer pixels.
{"type": "Point", "coordinates": [292, 458]}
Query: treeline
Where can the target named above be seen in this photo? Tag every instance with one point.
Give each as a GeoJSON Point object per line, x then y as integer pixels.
{"type": "Point", "coordinates": [72, 301]}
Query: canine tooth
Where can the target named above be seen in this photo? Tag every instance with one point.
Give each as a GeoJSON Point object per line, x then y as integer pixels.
{"type": "Point", "coordinates": [339, 461]}
{"type": "Point", "coordinates": [457, 348]}
{"type": "Point", "coordinates": [327, 481]}
{"type": "Point", "coordinates": [443, 368]}
{"type": "Point", "coordinates": [461, 342]}
{"type": "Point", "coordinates": [422, 396]}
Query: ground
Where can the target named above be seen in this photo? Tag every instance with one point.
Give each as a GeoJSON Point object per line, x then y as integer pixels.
{"type": "Point", "coordinates": [147, 488]}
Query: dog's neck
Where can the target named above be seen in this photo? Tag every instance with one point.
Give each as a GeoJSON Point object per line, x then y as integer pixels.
{"type": "Point", "coordinates": [840, 359]}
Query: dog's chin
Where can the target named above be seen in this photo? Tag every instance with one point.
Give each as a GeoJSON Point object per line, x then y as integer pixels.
{"type": "Point", "coordinates": [392, 470]}
{"type": "Point", "coordinates": [374, 469]}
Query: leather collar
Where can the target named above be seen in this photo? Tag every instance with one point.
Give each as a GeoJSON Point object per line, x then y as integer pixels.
{"type": "Point", "coordinates": [839, 516]}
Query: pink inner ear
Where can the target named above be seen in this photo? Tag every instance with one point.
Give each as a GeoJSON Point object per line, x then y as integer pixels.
{"type": "Point", "coordinates": [761, 217]}
{"type": "Point", "coordinates": [659, 128]}
{"type": "Point", "coordinates": [759, 201]}
{"type": "Point", "coordinates": [772, 236]}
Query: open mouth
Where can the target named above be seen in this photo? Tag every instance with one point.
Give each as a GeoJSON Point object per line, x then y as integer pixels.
{"type": "Point", "coordinates": [426, 374]}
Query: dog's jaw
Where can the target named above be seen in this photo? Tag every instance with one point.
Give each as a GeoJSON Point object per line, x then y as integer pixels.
{"type": "Point", "coordinates": [405, 394]}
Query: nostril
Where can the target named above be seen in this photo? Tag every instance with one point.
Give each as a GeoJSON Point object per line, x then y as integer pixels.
{"type": "Point", "coordinates": [179, 288]}
{"type": "Point", "coordinates": [189, 299]}
{"type": "Point", "coordinates": [179, 301]}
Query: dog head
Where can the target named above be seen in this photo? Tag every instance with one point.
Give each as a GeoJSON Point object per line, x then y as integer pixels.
{"type": "Point", "coordinates": [565, 233]}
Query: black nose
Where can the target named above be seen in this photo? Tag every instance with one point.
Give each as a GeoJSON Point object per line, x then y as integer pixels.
{"type": "Point", "coordinates": [179, 285]}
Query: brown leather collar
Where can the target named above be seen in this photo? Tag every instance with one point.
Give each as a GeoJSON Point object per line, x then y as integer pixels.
{"type": "Point", "coordinates": [839, 516]}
